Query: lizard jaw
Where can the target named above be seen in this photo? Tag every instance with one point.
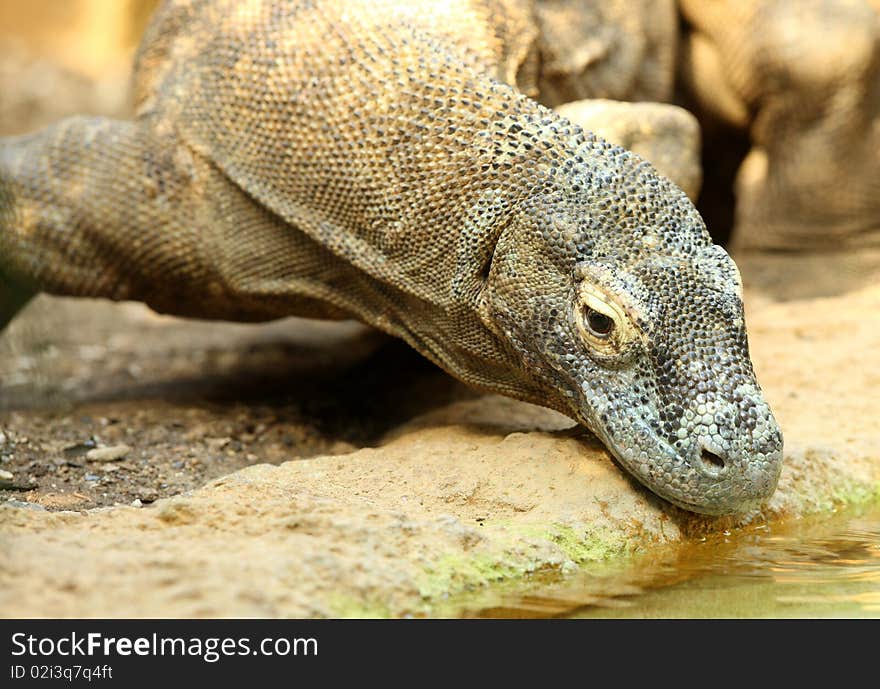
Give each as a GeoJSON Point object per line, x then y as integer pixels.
{"type": "Point", "coordinates": [702, 479]}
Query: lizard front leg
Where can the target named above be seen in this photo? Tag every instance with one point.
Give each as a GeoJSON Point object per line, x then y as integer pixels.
{"type": "Point", "coordinates": [101, 208]}
{"type": "Point", "coordinates": [13, 294]}
{"type": "Point", "coordinates": [76, 220]}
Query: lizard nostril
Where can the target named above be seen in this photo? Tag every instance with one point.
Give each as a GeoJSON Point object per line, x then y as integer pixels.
{"type": "Point", "coordinates": [712, 462]}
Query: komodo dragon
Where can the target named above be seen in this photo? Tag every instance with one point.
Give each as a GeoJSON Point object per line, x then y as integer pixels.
{"type": "Point", "coordinates": [332, 159]}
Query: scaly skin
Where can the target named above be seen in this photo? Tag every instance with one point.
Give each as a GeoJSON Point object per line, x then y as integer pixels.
{"type": "Point", "coordinates": [365, 159]}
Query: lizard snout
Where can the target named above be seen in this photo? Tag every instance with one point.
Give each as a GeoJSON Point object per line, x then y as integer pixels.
{"type": "Point", "coordinates": [737, 476]}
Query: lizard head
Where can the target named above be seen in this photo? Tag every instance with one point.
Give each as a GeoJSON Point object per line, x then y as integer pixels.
{"type": "Point", "coordinates": [609, 289]}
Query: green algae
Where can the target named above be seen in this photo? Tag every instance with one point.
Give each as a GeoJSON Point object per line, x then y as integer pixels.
{"type": "Point", "coordinates": [856, 494]}
{"type": "Point", "coordinates": [347, 606]}
{"type": "Point", "coordinates": [557, 546]}
{"type": "Point", "coordinates": [593, 545]}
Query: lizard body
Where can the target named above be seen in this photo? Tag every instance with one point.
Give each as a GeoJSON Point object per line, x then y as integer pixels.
{"type": "Point", "coordinates": [372, 159]}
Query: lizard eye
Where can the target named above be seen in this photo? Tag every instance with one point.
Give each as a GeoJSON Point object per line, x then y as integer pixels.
{"type": "Point", "coordinates": [605, 316]}
{"type": "Point", "coordinates": [603, 324]}
{"type": "Point", "coordinates": [599, 324]}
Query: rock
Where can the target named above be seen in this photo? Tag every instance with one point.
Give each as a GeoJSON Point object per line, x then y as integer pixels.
{"type": "Point", "coordinates": [5, 475]}
{"type": "Point", "coordinates": [112, 453]}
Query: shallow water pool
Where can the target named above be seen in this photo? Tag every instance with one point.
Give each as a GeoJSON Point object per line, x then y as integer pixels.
{"type": "Point", "coordinates": [825, 566]}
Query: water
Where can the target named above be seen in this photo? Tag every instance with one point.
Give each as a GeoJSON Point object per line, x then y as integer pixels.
{"type": "Point", "coordinates": [810, 568]}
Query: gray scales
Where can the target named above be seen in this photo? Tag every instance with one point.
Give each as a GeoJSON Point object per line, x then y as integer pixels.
{"type": "Point", "coordinates": [371, 159]}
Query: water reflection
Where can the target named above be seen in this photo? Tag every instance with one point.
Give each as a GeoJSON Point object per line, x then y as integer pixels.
{"type": "Point", "coordinates": [821, 567]}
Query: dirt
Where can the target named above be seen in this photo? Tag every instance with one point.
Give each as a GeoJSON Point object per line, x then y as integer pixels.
{"type": "Point", "coordinates": [193, 401]}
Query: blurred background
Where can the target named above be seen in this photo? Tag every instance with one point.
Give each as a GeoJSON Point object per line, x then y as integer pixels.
{"type": "Point", "coordinates": [59, 57]}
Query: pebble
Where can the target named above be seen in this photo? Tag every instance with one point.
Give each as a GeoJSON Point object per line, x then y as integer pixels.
{"type": "Point", "coordinates": [149, 495]}
{"type": "Point", "coordinates": [21, 504]}
{"type": "Point", "coordinates": [5, 475]}
{"type": "Point", "coordinates": [80, 448]}
{"type": "Point", "coordinates": [217, 444]}
{"type": "Point", "coordinates": [112, 453]}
